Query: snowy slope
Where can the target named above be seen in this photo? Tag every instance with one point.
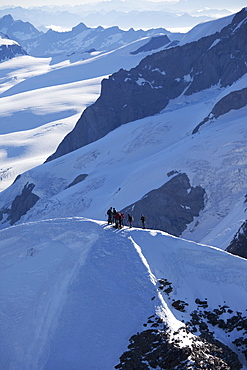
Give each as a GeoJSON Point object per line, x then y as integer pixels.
{"type": "Point", "coordinates": [75, 290]}
{"type": "Point", "coordinates": [42, 99]}
{"type": "Point", "coordinates": [206, 29]}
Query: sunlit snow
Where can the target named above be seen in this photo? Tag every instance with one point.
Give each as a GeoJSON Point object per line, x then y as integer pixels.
{"type": "Point", "coordinates": [75, 290]}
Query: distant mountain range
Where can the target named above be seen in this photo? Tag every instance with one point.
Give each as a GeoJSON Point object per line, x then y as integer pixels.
{"type": "Point", "coordinates": [81, 39]}
{"type": "Point", "coordinates": [125, 15]}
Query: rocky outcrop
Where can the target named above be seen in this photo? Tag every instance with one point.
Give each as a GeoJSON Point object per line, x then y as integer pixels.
{"type": "Point", "coordinates": [154, 348]}
{"type": "Point", "coordinates": [9, 48]}
{"type": "Point", "coordinates": [193, 345]}
{"type": "Point", "coordinates": [78, 179]}
{"type": "Point", "coordinates": [153, 44]}
{"type": "Point", "coordinates": [20, 205]}
{"type": "Point", "coordinates": [146, 90]}
{"type": "Point", "coordinates": [169, 208]}
{"type": "Point", "coordinates": [238, 245]}
{"type": "Point", "coordinates": [235, 100]}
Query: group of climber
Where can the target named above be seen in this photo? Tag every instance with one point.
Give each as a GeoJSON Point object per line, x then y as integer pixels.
{"type": "Point", "coordinates": [117, 219]}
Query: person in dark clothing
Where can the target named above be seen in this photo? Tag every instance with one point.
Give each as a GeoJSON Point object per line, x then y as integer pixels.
{"type": "Point", "coordinates": [120, 219]}
{"type": "Point", "coordinates": [114, 215]}
{"type": "Point", "coordinates": [130, 220]}
{"type": "Point", "coordinates": [109, 214]}
{"type": "Point", "coordinates": [143, 220]}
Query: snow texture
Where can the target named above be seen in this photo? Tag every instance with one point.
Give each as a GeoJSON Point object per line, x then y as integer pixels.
{"type": "Point", "coordinates": [75, 290]}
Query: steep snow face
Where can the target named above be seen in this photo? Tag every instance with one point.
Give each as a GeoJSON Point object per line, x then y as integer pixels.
{"type": "Point", "coordinates": [205, 29]}
{"type": "Point", "coordinates": [75, 290]}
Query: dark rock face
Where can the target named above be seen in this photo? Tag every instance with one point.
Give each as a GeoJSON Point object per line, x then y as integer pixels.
{"type": "Point", "coordinates": [169, 208]}
{"type": "Point", "coordinates": [153, 349]}
{"type": "Point", "coordinates": [78, 179]}
{"type": "Point", "coordinates": [20, 205]}
{"type": "Point", "coordinates": [146, 90]}
{"type": "Point", "coordinates": [157, 348]}
{"type": "Point", "coordinates": [238, 245]}
{"type": "Point", "coordinates": [9, 51]}
{"type": "Point", "coordinates": [235, 100]}
{"type": "Point", "coordinates": [155, 43]}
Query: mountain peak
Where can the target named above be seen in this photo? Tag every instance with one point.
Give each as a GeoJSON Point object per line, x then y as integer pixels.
{"type": "Point", "coordinates": [80, 28]}
{"type": "Point", "coordinates": [7, 19]}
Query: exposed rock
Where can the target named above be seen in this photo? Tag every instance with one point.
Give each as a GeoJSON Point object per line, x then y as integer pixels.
{"type": "Point", "coordinates": [171, 207]}
{"type": "Point", "coordinates": [238, 245]}
{"type": "Point", "coordinates": [158, 347]}
{"type": "Point", "coordinates": [78, 179]}
{"type": "Point", "coordinates": [234, 100]}
{"type": "Point", "coordinates": [146, 89]}
{"type": "Point", "coordinates": [179, 305]}
{"type": "Point", "coordinates": [153, 348]}
{"type": "Point", "coordinates": [9, 48]}
{"type": "Point", "coordinates": [154, 43]}
{"type": "Point", "coordinates": [20, 205]}
{"type": "Point", "coordinates": [165, 286]}
{"type": "Point", "coordinates": [224, 319]}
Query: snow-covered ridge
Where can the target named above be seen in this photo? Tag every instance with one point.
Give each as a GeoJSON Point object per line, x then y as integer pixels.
{"type": "Point", "coordinates": [83, 287]}
{"type": "Point", "coordinates": [4, 40]}
{"type": "Point", "coordinates": [9, 48]}
{"type": "Point", "coordinates": [205, 29]}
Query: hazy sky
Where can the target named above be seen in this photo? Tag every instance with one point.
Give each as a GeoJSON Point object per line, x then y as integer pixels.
{"type": "Point", "coordinates": [32, 3]}
{"type": "Point", "coordinates": [28, 3]}
{"type": "Point", "coordinates": [236, 5]}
